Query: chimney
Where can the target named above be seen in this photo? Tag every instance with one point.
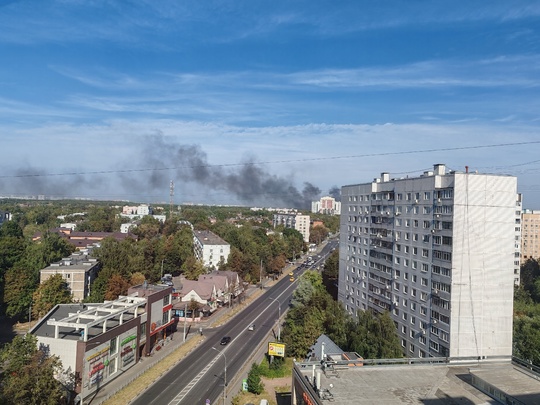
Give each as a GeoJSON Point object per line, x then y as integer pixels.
{"type": "Point", "coordinates": [385, 177]}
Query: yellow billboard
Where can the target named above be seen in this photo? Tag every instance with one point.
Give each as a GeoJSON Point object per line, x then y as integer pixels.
{"type": "Point", "coordinates": [276, 349]}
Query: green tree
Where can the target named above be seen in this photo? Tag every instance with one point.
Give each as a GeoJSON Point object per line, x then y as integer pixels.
{"type": "Point", "coordinates": [29, 374]}
{"type": "Point", "coordinates": [527, 339]}
{"type": "Point", "coordinates": [116, 286]}
{"type": "Point", "coordinates": [254, 382]}
{"type": "Point", "coordinates": [193, 268]}
{"type": "Point", "coordinates": [22, 283]}
{"type": "Point", "coordinates": [317, 234]}
{"type": "Point", "coordinates": [330, 274]}
{"type": "Point", "coordinates": [51, 292]}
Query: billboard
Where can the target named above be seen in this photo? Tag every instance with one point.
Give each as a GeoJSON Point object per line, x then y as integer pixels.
{"type": "Point", "coordinates": [276, 349]}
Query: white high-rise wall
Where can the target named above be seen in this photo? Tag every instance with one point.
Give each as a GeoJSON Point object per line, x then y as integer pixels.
{"type": "Point", "coordinates": [437, 251]}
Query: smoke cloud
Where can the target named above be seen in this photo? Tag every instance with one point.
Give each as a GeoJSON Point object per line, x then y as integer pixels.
{"type": "Point", "coordinates": [247, 181]}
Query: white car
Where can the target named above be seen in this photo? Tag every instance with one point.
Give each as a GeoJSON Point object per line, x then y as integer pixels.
{"type": "Point", "coordinates": [251, 327]}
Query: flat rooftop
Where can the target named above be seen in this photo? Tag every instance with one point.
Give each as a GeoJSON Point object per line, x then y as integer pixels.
{"type": "Point", "coordinates": [209, 238]}
{"type": "Point", "coordinates": [423, 383]}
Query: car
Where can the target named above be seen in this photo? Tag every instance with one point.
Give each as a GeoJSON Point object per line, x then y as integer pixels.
{"type": "Point", "coordinates": [225, 340]}
{"type": "Point", "coordinates": [291, 274]}
{"type": "Point", "coordinates": [251, 327]}
{"type": "Point", "coordinates": [291, 279]}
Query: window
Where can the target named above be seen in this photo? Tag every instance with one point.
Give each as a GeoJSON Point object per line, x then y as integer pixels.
{"type": "Point", "coordinates": [433, 346]}
{"type": "Point", "coordinates": [143, 329]}
{"type": "Point", "coordinates": [165, 318]}
{"type": "Point", "coordinates": [404, 329]}
{"type": "Point", "coordinates": [423, 296]}
{"type": "Point", "coordinates": [415, 250]}
{"type": "Point", "coordinates": [166, 300]}
{"type": "Point", "coordinates": [413, 306]}
{"type": "Point", "coordinates": [425, 267]}
{"type": "Point", "coordinates": [423, 310]}
{"type": "Point", "coordinates": [113, 346]}
{"type": "Point", "coordinates": [112, 366]}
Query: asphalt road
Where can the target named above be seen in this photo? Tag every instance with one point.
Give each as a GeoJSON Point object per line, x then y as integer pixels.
{"type": "Point", "coordinates": [200, 375]}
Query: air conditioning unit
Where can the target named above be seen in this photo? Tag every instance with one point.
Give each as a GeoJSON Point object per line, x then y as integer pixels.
{"type": "Point", "coordinates": [435, 291]}
{"type": "Point", "coordinates": [423, 331]}
{"type": "Point", "coordinates": [416, 201]}
{"type": "Point", "coordinates": [398, 213]}
{"type": "Point", "coordinates": [433, 230]}
{"type": "Point", "coordinates": [435, 322]}
{"type": "Point", "coordinates": [438, 216]}
{"type": "Point", "coordinates": [438, 200]}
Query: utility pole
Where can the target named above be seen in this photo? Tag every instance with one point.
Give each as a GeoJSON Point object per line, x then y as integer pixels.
{"type": "Point", "coordinates": [185, 321]}
{"type": "Point", "coordinates": [261, 276]}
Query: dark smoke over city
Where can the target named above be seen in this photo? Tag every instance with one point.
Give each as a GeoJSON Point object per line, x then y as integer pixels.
{"type": "Point", "coordinates": [247, 181]}
{"type": "Point", "coordinates": [150, 171]}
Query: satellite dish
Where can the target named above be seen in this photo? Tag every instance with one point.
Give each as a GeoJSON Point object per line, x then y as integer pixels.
{"type": "Point", "coordinates": [331, 385]}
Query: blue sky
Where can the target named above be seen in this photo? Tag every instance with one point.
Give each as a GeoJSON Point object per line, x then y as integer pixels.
{"type": "Point", "coordinates": [263, 103]}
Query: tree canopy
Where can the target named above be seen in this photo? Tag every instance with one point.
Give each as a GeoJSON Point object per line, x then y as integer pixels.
{"type": "Point", "coordinates": [30, 374]}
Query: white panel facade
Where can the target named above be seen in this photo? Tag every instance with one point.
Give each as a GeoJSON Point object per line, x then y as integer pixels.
{"type": "Point", "coordinates": [438, 252]}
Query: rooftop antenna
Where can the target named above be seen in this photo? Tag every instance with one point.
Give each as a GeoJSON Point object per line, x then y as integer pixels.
{"type": "Point", "coordinates": [171, 194]}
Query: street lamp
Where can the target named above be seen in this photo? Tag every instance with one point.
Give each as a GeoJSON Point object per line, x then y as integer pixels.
{"type": "Point", "coordinates": [279, 318]}
{"type": "Point", "coordinates": [224, 376]}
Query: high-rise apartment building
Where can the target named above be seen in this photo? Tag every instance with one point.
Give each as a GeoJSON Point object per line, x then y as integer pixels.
{"type": "Point", "coordinates": [326, 205]}
{"type": "Point", "coordinates": [437, 251]}
{"type": "Point", "coordinates": [530, 235]}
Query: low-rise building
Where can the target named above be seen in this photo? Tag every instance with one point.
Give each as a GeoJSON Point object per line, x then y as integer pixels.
{"type": "Point", "coordinates": [295, 221]}
{"type": "Point", "coordinates": [79, 271]}
{"type": "Point", "coordinates": [98, 342]}
{"type": "Point", "coordinates": [347, 381]}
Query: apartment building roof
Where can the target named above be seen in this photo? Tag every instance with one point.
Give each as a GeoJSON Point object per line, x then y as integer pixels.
{"type": "Point", "coordinates": [208, 238]}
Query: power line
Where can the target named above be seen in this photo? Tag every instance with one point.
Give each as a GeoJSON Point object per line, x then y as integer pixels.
{"type": "Point", "coordinates": [499, 145]}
